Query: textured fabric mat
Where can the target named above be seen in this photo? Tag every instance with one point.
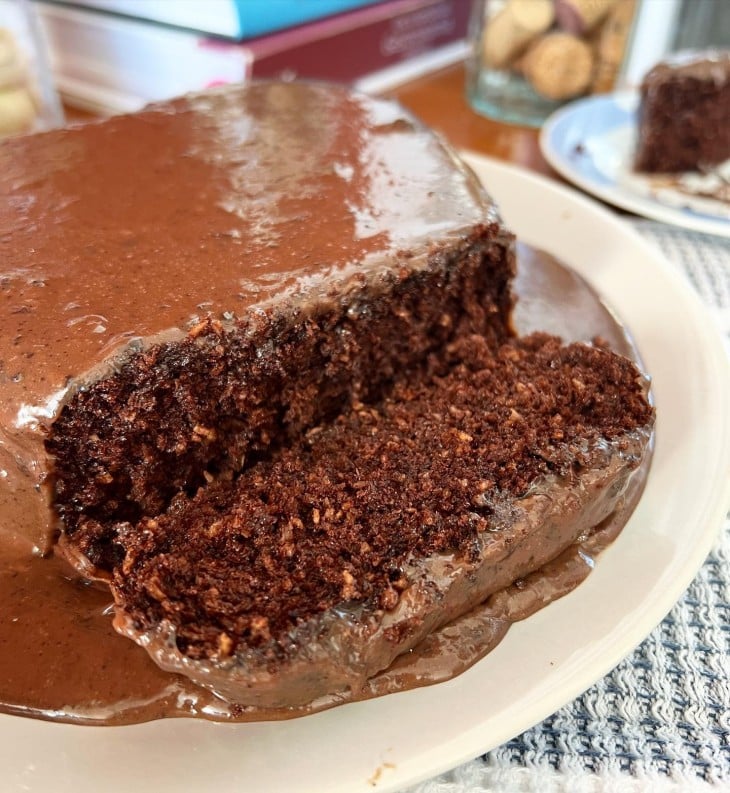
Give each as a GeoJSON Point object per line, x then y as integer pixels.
{"type": "Point", "coordinates": [661, 720]}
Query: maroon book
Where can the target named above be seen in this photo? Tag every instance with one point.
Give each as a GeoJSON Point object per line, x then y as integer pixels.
{"type": "Point", "coordinates": [350, 45]}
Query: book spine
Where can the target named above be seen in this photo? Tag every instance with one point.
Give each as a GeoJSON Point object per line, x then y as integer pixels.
{"type": "Point", "coordinates": [259, 18]}
{"type": "Point", "coordinates": [233, 19]}
{"type": "Point", "coordinates": [347, 47]}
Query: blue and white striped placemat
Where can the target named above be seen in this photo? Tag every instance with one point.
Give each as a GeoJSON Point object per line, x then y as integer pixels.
{"type": "Point", "coordinates": [660, 721]}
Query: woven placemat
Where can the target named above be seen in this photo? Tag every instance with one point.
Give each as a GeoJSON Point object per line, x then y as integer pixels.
{"type": "Point", "coordinates": [661, 720]}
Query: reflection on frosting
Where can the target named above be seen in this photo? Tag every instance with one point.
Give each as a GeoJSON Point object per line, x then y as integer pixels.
{"type": "Point", "coordinates": [30, 416]}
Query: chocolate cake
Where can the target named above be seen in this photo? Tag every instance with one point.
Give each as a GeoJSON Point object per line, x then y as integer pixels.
{"type": "Point", "coordinates": [684, 114]}
{"type": "Point", "coordinates": [259, 375]}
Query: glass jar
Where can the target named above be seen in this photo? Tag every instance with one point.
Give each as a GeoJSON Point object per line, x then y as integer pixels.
{"type": "Point", "coordinates": [528, 57]}
{"type": "Point", "coordinates": [28, 99]}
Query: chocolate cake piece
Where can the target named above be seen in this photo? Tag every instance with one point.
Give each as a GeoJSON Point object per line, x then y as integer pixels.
{"type": "Point", "coordinates": [684, 114]}
{"type": "Point", "coordinates": [318, 566]}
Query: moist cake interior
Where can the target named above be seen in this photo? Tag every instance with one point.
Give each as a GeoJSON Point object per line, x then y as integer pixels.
{"type": "Point", "coordinates": [184, 412]}
{"type": "Point", "coordinates": [335, 516]}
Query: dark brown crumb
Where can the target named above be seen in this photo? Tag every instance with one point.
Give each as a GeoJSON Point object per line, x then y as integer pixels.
{"type": "Point", "coordinates": [178, 413]}
{"type": "Point", "coordinates": [335, 515]}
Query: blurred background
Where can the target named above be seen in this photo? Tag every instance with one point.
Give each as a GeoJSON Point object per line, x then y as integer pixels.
{"type": "Point", "coordinates": [109, 56]}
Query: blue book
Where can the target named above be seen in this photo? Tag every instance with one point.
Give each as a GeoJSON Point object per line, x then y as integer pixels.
{"type": "Point", "coordinates": [234, 19]}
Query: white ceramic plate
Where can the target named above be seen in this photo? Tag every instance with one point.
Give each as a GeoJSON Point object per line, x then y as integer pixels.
{"type": "Point", "coordinates": [544, 662]}
{"type": "Point", "coordinates": [590, 142]}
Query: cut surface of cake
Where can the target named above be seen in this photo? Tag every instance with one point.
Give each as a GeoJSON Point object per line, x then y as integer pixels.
{"type": "Point", "coordinates": [260, 376]}
{"type": "Point", "coordinates": [684, 114]}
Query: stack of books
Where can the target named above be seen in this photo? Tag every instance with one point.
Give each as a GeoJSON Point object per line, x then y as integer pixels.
{"type": "Point", "coordinates": [118, 55]}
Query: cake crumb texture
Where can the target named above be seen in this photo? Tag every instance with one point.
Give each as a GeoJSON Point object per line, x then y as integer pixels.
{"type": "Point", "coordinates": [336, 515]}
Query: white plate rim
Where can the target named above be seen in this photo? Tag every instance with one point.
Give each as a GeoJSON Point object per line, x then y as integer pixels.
{"type": "Point", "coordinates": [399, 740]}
{"type": "Point", "coordinates": [553, 150]}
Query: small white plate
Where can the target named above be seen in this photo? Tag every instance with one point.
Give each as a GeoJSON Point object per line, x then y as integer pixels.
{"type": "Point", "coordinates": [591, 143]}
{"type": "Point", "coordinates": [545, 661]}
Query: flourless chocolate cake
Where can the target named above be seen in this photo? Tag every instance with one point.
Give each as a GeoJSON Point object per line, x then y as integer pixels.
{"type": "Point", "coordinates": [259, 375]}
{"type": "Point", "coordinates": [684, 115]}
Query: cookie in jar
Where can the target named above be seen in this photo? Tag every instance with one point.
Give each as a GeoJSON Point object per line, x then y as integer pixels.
{"type": "Point", "coordinates": [531, 56]}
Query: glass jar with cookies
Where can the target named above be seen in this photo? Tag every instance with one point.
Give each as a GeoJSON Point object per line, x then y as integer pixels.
{"type": "Point", "coordinates": [530, 56]}
{"type": "Point", "coordinates": [28, 99]}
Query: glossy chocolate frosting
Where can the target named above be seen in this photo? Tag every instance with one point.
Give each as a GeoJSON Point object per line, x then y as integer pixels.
{"type": "Point", "coordinates": [213, 204]}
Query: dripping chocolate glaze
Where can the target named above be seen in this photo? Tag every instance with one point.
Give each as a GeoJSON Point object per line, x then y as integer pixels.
{"type": "Point", "coordinates": [61, 659]}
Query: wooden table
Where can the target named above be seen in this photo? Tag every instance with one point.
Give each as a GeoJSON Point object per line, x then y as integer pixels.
{"type": "Point", "coordinates": [440, 100]}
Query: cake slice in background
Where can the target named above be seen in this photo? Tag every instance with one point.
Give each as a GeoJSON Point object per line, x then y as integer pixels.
{"type": "Point", "coordinates": [684, 116]}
